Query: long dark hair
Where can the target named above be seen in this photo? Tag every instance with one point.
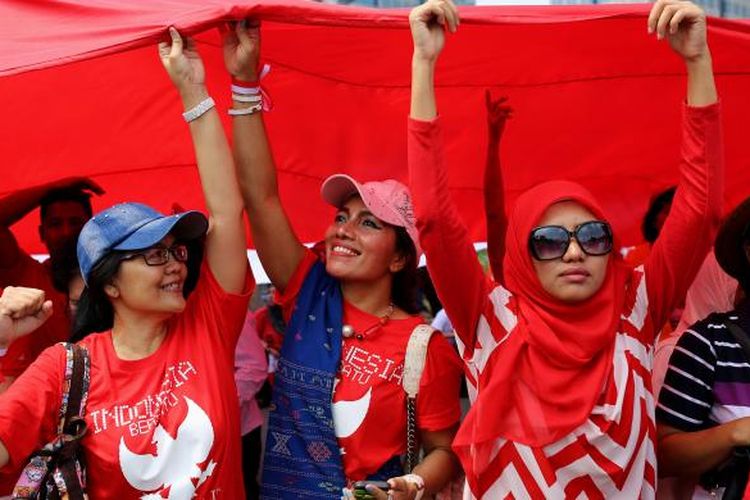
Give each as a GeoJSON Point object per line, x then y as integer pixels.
{"type": "Point", "coordinates": [95, 312]}
{"type": "Point", "coordinates": [658, 204]}
{"type": "Point", "coordinates": [405, 281]}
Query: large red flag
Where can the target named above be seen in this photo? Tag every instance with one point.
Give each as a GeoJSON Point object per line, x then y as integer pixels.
{"type": "Point", "coordinates": [595, 100]}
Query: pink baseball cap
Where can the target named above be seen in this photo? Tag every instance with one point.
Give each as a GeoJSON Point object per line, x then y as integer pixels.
{"type": "Point", "coordinates": [388, 200]}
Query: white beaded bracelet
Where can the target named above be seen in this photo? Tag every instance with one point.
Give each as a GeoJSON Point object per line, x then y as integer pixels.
{"type": "Point", "coordinates": [247, 98]}
{"type": "Point", "coordinates": [238, 89]}
{"type": "Point", "coordinates": [418, 481]}
{"type": "Point", "coordinates": [199, 109]}
{"type": "Point", "coordinates": [3, 351]}
{"type": "Point", "coordinates": [245, 111]}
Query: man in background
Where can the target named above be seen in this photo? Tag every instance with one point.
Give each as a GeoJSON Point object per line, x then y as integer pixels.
{"type": "Point", "coordinates": [65, 206]}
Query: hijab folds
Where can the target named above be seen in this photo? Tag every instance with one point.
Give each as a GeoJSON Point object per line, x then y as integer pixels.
{"type": "Point", "coordinates": [553, 366]}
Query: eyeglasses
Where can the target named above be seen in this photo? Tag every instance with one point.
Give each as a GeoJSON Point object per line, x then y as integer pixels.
{"type": "Point", "coordinates": [158, 256]}
{"type": "Point", "coordinates": [552, 242]}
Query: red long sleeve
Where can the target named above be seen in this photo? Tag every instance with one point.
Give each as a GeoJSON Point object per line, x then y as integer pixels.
{"type": "Point", "coordinates": [689, 231]}
{"type": "Point", "coordinates": [452, 260]}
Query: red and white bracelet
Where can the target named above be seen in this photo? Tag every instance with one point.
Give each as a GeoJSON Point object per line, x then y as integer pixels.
{"type": "Point", "coordinates": [253, 93]}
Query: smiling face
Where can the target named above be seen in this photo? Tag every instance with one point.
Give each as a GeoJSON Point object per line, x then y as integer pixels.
{"type": "Point", "coordinates": [575, 276]}
{"type": "Point", "coordinates": [144, 289]}
{"type": "Point", "coordinates": [359, 246]}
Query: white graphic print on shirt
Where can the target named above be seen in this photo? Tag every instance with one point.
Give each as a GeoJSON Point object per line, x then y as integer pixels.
{"type": "Point", "coordinates": [349, 415]}
{"type": "Point", "coordinates": [361, 365]}
{"type": "Point", "coordinates": [175, 465]}
{"type": "Point", "coordinates": [365, 368]}
{"type": "Point", "coordinates": [142, 417]}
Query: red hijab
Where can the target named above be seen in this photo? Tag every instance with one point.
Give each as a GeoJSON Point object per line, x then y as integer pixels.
{"type": "Point", "coordinates": [554, 364]}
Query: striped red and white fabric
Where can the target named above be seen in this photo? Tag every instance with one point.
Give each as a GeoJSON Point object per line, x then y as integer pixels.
{"type": "Point", "coordinates": [611, 455]}
{"type": "Point", "coordinates": [515, 376]}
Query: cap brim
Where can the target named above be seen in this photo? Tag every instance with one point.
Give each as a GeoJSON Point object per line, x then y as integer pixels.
{"type": "Point", "coordinates": [729, 248]}
{"type": "Point", "coordinates": [338, 188]}
{"type": "Point", "coordinates": [185, 226]}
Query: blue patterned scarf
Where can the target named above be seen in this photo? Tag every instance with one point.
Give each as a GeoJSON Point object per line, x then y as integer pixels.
{"type": "Point", "coordinates": [302, 458]}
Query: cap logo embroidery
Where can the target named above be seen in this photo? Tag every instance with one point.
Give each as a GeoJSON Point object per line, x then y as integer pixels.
{"type": "Point", "coordinates": [405, 208]}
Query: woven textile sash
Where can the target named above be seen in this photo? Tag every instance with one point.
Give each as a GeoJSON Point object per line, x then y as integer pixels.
{"type": "Point", "coordinates": [302, 458]}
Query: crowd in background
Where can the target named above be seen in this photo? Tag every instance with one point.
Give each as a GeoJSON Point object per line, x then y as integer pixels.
{"type": "Point", "coordinates": [569, 367]}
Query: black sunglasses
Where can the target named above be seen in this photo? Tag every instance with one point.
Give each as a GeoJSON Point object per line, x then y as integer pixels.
{"type": "Point", "coordinates": [158, 256]}
{"type": "Point", "coordinates": [551, 242]}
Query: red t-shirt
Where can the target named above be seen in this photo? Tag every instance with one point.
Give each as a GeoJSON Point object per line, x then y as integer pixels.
{"type": "Point", "coordinates": [369, 403]}
{"type": "Point", "coordinates": [167, 424]}
{"type": "Point", "coordinates": [22, 352]}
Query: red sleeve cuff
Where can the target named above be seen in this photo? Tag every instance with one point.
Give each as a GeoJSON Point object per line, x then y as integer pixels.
{"type": "Point", "coordinates": [423, 125]}
{"type": "Point", "coordinates": [712, 110]}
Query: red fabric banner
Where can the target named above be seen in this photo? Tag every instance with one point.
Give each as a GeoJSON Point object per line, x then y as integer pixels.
{"type": "Point", "coordinates": [596, 100]}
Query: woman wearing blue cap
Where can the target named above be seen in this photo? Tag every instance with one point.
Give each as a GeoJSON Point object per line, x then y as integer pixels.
{"type": "Point", "coordinates": [161, 409]}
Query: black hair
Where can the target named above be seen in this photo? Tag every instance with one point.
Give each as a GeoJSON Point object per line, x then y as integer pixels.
{"type": "Point", "coordinates": [658, 204]}
{"type": "Point", "coordinates": [196, 249]}
{"type": "Point", "coordinates": [405, 282]}
{"type": "Point", "coordinates": [64, 268]}
{"type": "Point", "coordinates": [95, 312]}
{"type": "Point", "coordinates": [75, 195]}
{"type": "Point", "coordinates": [428, 300]}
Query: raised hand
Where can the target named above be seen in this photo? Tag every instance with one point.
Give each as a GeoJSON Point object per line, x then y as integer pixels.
{"type": "Point", "coordinates": [428, 23]}
{"type": "Point", "coordinates": [242, 50]}
{"type": "Point", "coordinates": [498, 112]}
{"type": "Point", "coordinates": [82, 183]}
{"type": "Point", "coordinates": [22, 310]}
{"type": "Point", "coordinates": [182, 62]}
{"type": "Point", "coordinates": [683, 23]}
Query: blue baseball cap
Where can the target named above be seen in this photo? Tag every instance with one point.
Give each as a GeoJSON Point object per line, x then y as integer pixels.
{"type": "Point", "coordinates": [132, 226]}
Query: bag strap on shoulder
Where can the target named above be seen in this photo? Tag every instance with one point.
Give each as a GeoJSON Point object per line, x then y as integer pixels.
{"type": "Point", "coordinates": [75, 388]}
{"type": "Point", "coordinates": [414, 361]}
{"type": "Point", "coordinates": [55, 471]}
{"type": "Point", "coordinates": [416, 356]}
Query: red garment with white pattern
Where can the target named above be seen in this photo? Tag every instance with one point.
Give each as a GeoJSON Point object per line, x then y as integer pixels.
{"type": "Point", "coordinates": [611, 453]}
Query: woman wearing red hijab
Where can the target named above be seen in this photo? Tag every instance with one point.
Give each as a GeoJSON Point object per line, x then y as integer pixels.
{"type": "Point", "coordinates": [558, 354]}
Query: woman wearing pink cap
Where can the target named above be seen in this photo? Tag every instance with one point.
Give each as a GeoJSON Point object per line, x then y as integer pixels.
{"type": "Point", "coordinates": [340, 411]}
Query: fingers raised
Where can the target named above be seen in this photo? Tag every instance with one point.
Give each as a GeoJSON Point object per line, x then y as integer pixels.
{"type": "Point", "coordinates": [176, 48]}
{"type": "Point", "coordinates": [664, 18]}
{"type": "Point", "coordinates": [443, 12]}
{"type": "Point", "coordinates": [451, 15]}
{"type": "Point", "coordinates": [245, 29]}
{"type": "Point", "coordinates": [94, 187]}
{"type": "Point", "coordinates": [666, 15]}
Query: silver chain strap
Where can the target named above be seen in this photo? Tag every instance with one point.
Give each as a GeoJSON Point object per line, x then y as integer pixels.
{"type": "Point", "coordinates": [411, 435]}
